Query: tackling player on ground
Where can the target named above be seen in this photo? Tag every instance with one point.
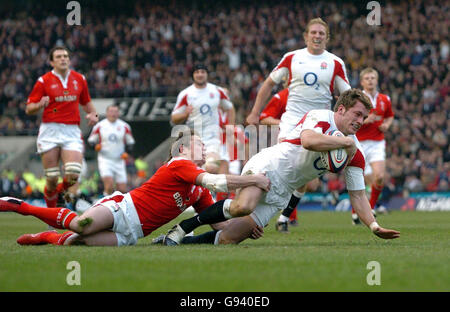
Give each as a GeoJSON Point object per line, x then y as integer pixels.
{"type": "Point", "coordinates": [121, 219]}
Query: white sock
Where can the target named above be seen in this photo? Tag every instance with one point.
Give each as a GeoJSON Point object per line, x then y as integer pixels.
{"type": "Point", "coordinates": [283, 219]}
{"type": "Point", "coordinates": [298, 194]}
{"type": "Point", "coordinates": [216, 240]}
{"type": "Point", "coordinates": [226, 208]}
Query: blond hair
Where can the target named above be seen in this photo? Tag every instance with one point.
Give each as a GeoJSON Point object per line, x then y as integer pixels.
{"type": "Point", "coordinates": [320, 21]}
{"type": "Point", "coordinates": [367, 71]}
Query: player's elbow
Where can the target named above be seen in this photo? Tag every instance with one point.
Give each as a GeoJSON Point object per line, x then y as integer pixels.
{"type": "Point", "coordinates": [307, 143]}
{"type": "Point", "coordinates": [175, 119]}
{"type": "Point", "coordinates": [29, 111]}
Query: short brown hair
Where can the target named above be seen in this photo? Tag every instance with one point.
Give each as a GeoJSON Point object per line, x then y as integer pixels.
{"type": "Point", "coordinates": [366, 71]}
{"type": "Point", "coordinates": [183, 138]}
{"type": "Point", "coordinates": [320, 21]}
{"type": "Point", "coordinates": [349, 98]}
{"type": "Point", "coordinates": [50, 54]}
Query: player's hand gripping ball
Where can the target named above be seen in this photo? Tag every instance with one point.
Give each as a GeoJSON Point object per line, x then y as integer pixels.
{"type": "Point", "coordinates": [335, 160]}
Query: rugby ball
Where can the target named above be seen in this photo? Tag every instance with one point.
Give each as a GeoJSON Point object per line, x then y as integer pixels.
{"type": "Point", "coordinates": [334, 160]}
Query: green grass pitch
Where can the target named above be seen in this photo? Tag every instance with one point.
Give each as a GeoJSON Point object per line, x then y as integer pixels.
{"type": "Point", "coordinates": [324, 253]}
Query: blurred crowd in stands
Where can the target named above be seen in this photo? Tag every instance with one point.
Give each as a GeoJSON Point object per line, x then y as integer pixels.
{"type": "Point", "coordinates": [150, 52]}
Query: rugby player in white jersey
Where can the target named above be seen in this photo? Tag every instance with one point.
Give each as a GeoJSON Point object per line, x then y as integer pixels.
{"type": "Point", "coordinates": [313, 74]}
{"type": "Point", "coordinates": [113, 141]}
{"type": "Point", "coordinates": [197, 106]}
{"type": "Point", "coordinates": [290, 165]}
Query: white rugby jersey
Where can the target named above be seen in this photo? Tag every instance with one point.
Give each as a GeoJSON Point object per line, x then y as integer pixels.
{"type": "Point", "coordinates": [311, 79]}
{"type": "Point", "coordinates": [113, 136]}
{"type": "Point", "coordinates": [296, 165]}
{"type": "Point", "coordinates": [205, 116]}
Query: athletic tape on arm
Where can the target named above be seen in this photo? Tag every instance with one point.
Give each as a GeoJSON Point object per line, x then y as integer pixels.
{"type": "Point", "coordinates": [215, 182]}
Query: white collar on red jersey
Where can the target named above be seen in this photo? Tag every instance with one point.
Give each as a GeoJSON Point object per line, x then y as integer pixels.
{"type": "Point", "coordinates": [63, 80]}
{"type": "Point", "coordinates": [372, 99]}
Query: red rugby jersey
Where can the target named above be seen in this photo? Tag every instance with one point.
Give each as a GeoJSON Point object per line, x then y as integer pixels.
{"type": "Point", "coordinates": [65, 96]}
{"type": "Point", "coordinates": [276, 106]}
{"type": "Point", "coordinates": [168, 193]}
{"type": "Point", "coordinates": [382, 107]}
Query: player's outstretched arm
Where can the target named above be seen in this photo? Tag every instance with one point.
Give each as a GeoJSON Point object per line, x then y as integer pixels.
{"type": "Point", "coordinates": [361, 205]}
{"type": "Point", "coordinates": [225, 183]}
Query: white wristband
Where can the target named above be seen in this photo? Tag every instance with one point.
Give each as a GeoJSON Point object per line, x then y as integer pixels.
{"type": "Point", "coordinates": [374, 226]}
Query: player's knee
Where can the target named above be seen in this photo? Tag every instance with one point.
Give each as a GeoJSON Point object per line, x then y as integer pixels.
{"type": "Point", "coordinates": [240, 208]}
{"type": "Point", "coordinates": [379, 178]}
{"type": "Point", "coordinates": [225, 239]}
{"type": "Point", "coordinates": [81, 224]}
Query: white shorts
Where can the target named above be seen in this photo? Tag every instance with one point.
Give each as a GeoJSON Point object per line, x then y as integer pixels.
{"type": "Point", "coordinates": [273, 201]}
{"type": "Point", "coordinates": [287, 124]}
{"type": "Point", "coordinates": [114, 168]}
{"type": "Point", "coordinates": [52, 135]}
{"type": "Point", "coordinates": [127, 225]}
{"type": "Point", "coordinates": [373, 151]}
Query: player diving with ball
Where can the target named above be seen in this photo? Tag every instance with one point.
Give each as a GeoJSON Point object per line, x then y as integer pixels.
{"type": "Point", "coordinates": [290, 165]}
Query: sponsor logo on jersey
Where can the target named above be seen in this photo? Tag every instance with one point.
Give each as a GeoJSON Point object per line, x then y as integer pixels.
{"type": "Point", "coordinates": [179, 201]}
{"type": "Point", "coordinates": [66, 98]}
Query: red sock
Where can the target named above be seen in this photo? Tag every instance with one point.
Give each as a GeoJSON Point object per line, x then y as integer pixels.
{"type": "Point", "coordinates": [376, 191]}
{"type": "Point", "coordinates": [47, 237]}
{"type": "Point", "coordinates": [50, 197]}
{"type": "Point", "coordinates": [57, 217]}
{"type": "Point", "coordinates": [56, 238]}
{"type": "Point", "coordinates": [63, 186]}
{"type": "Point", "coordinates": [293, 215]}
{"type": "Point", "coordinates": [353, 210]}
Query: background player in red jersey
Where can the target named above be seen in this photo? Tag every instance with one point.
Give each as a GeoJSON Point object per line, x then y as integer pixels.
{"type": "Point", "coordinates": [371, 135]}
{"type": "Point", "coordinates": [121, 219]}
{"type": "Point", "coordinates": [58, 93]}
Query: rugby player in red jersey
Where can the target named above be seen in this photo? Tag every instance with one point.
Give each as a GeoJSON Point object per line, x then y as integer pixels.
{"type": "Point", "coordinates": [121, 219]}
{"type": "Point", "coordinates": [58, 94]}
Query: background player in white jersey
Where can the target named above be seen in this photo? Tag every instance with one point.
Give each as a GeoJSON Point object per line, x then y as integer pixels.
{"type": "Point", "coordinates": [198, 107]}
{"type": "Point", "coordinates": [113, 141]}
{"type": "Point", "coordinates": [371, 135]}
{"type": "Point", "coordinates": [291, 164]}
{"type": "Point", "coordinates": [312, 74]}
